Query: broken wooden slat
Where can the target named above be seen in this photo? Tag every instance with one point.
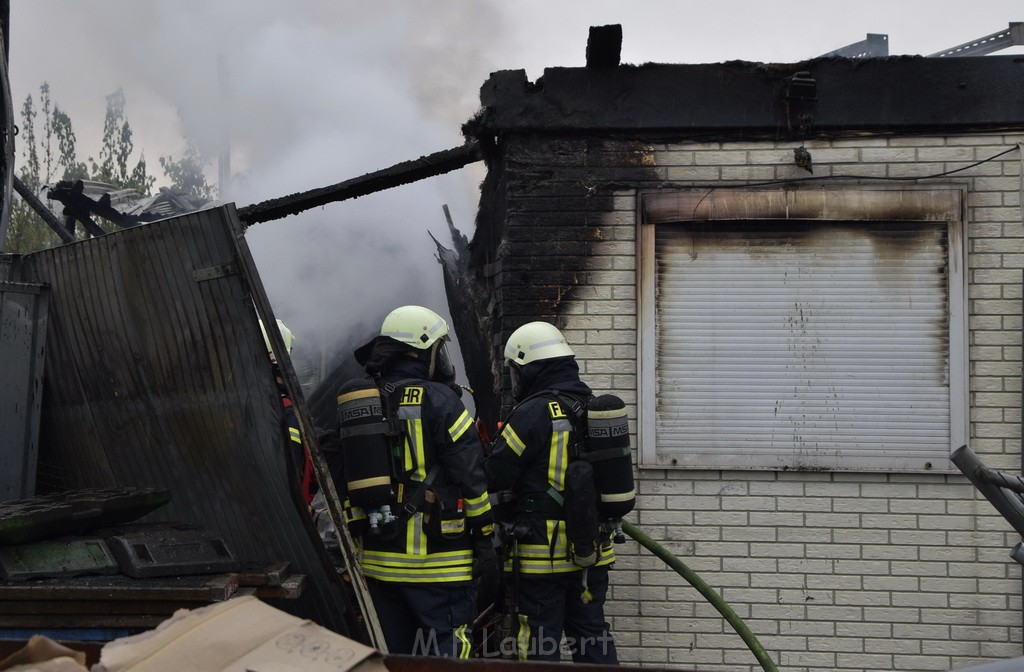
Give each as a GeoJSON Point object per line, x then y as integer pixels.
{"type": "Point", "coordinates": [83, 607]}
{"type": "Point", "coordinates": [289, 589]}
{"type": "Point", "coordinates": [115, 588]}
{"type": "Point", "coordinates": [269, 575]}
{"type": "Point", "coordinates": [82, 621]}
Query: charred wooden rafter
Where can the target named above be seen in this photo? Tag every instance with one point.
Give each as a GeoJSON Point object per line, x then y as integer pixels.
{"type": "Point", "coordinates": [405, 172]}
{"type": "Point", "coordinates": [79, 207]}
{"type": "Point", "coordinates": [65, 234]}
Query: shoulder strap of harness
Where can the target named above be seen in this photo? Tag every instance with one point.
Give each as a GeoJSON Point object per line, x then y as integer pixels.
{"type": "Point", "coordinates": [390, 393]}
{"type": "Point", "coordinates": [577, 412]}
{"type": "Point", "coordinates": [574, 403]}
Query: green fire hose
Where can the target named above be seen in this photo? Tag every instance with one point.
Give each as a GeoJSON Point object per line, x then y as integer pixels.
{"type": "Point", "coordinates": [704, 589]}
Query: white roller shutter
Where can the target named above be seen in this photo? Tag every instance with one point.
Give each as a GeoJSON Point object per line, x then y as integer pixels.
{"type": "Point", "coordinates": [802, 345]}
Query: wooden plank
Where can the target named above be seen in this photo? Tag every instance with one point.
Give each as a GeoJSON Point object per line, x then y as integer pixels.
{"type": "Point", "coordinates": [122, 588]}
{"type": "Point", "coordinates": [268, 575]}
{"type": "Point", "coordinates": [289, 589]}
{"type": "Point", "coordinates": [78, 607]}
{"type": "Point", "coordinates": [56, 621]}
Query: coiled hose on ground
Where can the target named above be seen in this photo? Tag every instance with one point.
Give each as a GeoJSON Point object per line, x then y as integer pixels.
{"type": "Point", "coordinates": [704, 589]}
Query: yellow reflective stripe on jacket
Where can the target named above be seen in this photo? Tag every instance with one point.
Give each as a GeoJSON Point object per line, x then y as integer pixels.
{"type": "Point", "coordinates": [476, 506]}
{"type": "Point", "coordinates": [415, 540]}
{"type": "Point", "coordinates": [369, 482]}
{"type": "Point", "coordinates": [607, 554]}
{"type": "Point", "coordinates": [447, 566]}
{"type": "Point", "coordinates": [414, 575]}
{"type": "Point", "coordinates": [512, 439]}
{"type": "Point", "coordinates": [352, 513]}
{"type": "Point", "coordinates": [460, 426]}
{"type": "Point", "coordinates": [546, 558]}
{"type": "Point", "coordinates": [558, 457]}
{"type": "Point", "coordinates": [439, 559]}
{"type": "Point", "coordinates": [295, 435]}
{"type": "Point", "coordinates": [414, 458]}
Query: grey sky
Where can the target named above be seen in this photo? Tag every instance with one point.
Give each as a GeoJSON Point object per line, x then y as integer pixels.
{"type": "Point", "coordinates": [325, 90]}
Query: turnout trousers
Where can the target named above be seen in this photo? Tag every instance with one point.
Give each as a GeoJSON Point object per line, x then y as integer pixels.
{"type": "Point", "coordinates": [431, 619]}
{"type": "Point", "coordinates": [550, 605]}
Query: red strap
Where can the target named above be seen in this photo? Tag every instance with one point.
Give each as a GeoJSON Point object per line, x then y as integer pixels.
{"type": "Point", "coordinates": [308, 481]}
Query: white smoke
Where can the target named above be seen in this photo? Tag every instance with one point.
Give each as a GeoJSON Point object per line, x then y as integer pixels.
{"type": "Point", "coordinates": [320, 91]}
{"type": "Point", "coordinates": [315, 93]}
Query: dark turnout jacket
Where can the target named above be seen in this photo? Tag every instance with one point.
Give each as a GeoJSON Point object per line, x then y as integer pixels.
{"type": "Point", "coordinates": [438, 430]}
{"type": "Point", "coordinates": [530, 458]}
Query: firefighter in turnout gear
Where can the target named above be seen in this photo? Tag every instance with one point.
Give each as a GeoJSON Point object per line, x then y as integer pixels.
{"type": "Point", "coordinates": [419, 548]}
{"type": "Point", "coordinates": [560, 586]}
{"type": "Point", "coordinates": [300, 451]}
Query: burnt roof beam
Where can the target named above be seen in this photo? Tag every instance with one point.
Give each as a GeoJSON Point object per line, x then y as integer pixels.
{"type": "Point", "coordinates": [43, 211]}
{"type": "Point", "coordinates": [405, 172]}
{"type": "Point", "coordinates": [738, 99]}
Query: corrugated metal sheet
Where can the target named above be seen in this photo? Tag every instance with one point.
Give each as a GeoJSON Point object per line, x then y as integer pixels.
{"type": "Point", "coordinates": [803, 345]}
{"type": "Point", "coordinates": [23, 313]}
{"type": "Point", "coordinates": [157, 376]}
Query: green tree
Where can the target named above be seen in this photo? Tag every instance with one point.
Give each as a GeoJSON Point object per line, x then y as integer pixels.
{"type": "Point", "coordinates": [186, 174]}
{"type": "Point", "coordinates": [26, 231]}
{"type": "Point", "coordinates": [73, 169]}
{"type": "Point", "coordinates": [51, 155]}
{"type": "Point", "coordinates": [116, 149]}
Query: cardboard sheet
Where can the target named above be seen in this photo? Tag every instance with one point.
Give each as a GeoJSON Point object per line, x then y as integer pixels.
{"type": "Point", "coordinates": [242, 634]}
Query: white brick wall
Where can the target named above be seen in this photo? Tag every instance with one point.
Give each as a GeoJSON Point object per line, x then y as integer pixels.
{"type": "Point", "coordinates": [831, 571]}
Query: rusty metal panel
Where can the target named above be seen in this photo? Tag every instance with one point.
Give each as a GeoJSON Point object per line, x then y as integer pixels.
{"type": "Point", "coordinates": [157, 376]}
{"type": "Point", "coordinates": [23, 318]}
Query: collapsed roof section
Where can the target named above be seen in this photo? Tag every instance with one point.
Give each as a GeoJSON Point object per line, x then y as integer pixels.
{"type": "Point", "coordinates": [123, 207]}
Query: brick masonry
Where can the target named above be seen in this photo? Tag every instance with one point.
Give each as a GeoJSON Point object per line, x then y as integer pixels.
{"type": "Point", "coordinates": [832, 571]}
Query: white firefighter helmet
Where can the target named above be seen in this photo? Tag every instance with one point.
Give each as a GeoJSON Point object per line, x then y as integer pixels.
{"type": "Point", "coordinates": [536, 341]}
{"type": "Point", "coordinates": [416, 326]}
{"type": "Point", "coordinates": [286, 335]}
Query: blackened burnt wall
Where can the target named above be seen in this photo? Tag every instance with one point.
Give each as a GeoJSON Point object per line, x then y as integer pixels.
{"type": "Point", "coordinates": [539, 226]}
{"type": "Point", "coordinates": [558, 148]}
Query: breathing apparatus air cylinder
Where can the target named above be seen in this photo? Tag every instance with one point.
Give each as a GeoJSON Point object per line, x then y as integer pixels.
{"type": "Point", "coordinates": [581, 523]}
{"type": "Point", "coordinates": [608, 450]}
{"type": "Point", "coordinates": [365, 442]}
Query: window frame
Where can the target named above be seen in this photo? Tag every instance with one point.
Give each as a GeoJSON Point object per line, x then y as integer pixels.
{"type": "Point", "coordinates": [836, 203]}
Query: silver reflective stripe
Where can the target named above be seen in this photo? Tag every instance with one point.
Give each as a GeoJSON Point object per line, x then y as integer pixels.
{"type": "Point", "coordinates": [461, 425]}
{"type": "Point", "coordinates": [513, 440]}
{"type": "Point", "coordinates": [477, 505]}
{"type": "Point", "coordinates": [424, 562]}
{"type": "Point", "coordinates": [544, 344]}
{"type": "Point", "coordinates": [559, 453]}
{"type": "Point", "coordinates": [417, 576]}
{"type": "Point", "coordinates": [416, 535]}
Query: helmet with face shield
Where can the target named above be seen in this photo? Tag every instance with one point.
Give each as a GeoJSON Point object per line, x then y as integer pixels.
{"type": "Point", "coordinates": [532, 342]}
{"type": "Point", "coordinates": [425, 331]}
